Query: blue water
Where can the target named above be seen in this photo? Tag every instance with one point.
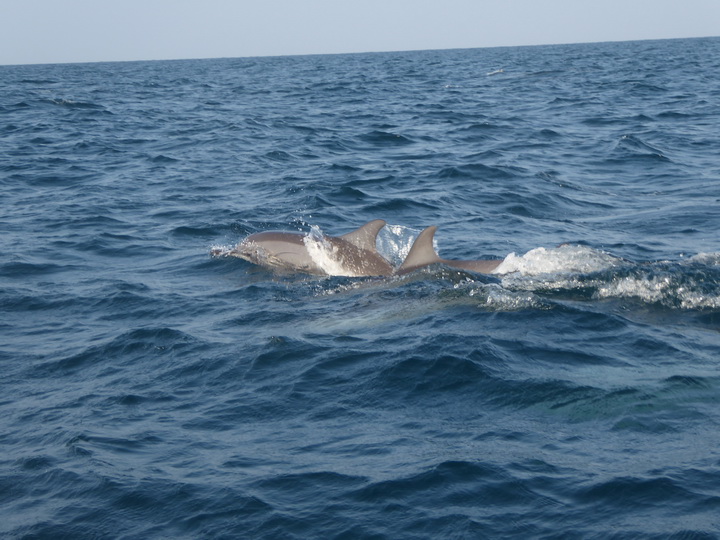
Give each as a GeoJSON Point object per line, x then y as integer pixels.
{"type": "Point", "coordinates": [151, 390]}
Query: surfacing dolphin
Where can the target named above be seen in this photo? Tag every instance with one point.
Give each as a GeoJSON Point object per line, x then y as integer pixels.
{"type": "Point", "coordinates": [422, 254]}
{"type": "Point", "coordinates": [352, 254]}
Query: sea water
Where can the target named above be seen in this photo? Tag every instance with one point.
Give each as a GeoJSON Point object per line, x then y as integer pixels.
{"type": "Point", "coordinates": [151, 390]}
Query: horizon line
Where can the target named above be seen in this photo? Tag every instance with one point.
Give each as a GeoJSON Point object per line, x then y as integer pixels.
{"type": "Point", "coordinates": [291, 55]}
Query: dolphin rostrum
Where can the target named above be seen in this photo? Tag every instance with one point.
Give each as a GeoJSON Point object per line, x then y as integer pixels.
{"type": "Point", "coordinates": [352, 254]}
{"type": "Point", "coordinates": [422, 254]}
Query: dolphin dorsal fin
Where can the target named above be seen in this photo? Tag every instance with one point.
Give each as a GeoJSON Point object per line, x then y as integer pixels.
{"type": "Point", "coordinates": [422, 252]}
{"type": "Point", "coordinates": [365, 236]}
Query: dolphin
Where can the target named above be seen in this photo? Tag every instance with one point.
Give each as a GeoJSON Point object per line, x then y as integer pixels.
{"type": "Point", "coordinates": [352, 254]}
{"type": "Point", "coordinates": [422, 254]}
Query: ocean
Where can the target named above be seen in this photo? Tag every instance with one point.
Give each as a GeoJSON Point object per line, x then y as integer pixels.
{"type": "Point", "coordinates": [152, 390]}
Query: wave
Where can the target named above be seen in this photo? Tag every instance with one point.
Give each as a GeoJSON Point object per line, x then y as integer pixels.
{"type": "Point", "coordinates": [593, 274]}
{"type": "Point", "coordinates": [134, 344]}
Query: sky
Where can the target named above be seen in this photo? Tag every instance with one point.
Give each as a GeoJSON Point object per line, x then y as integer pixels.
{"type": "Point", "coordinates": [60, 31]}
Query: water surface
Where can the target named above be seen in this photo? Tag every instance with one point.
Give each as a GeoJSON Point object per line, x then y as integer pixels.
{"type": "Point", "coordinates": [150, 390]}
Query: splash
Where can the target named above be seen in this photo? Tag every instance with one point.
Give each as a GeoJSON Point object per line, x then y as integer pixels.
{"type": "Point", "coordinates": [564, 259]}
{"type": "Point", "coordinates": [394, 242]}
{"type": "Point", "coordinates": [324, 254]}
{"type": "Point", "coordinates": [220, 250]}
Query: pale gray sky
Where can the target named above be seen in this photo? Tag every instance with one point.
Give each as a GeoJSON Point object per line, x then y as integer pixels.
{"type": "Point", "coordinates": [51, 31]}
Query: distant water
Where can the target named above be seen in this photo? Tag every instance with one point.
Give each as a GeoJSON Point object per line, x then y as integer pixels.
{"type": "Point", "coordinates": [149, 390]}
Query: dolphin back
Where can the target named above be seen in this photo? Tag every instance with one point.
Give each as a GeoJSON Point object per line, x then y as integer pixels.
{"type": "Point", "coordinates": [353, 254]}
{"type": "Point", "coordinates": [480, 267]}
{"type": "Point", "coordinates": [422, 253]}
{"type": "Point", "coordinates": [366, 236]}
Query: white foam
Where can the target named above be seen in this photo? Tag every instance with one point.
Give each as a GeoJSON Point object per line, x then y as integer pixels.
{"type": "Point", "coordinates": [691, 300]}
{"type": "Point", "coordinates": [503, 300]}
{"type": "Point", "coordinates": [664, 290]}
{"type": "Point", "coordinates": [710, 259]}
{"type": "Point", "coordinates": [649, 290]}
{"type": "Point", "coordinates": [563, 259]}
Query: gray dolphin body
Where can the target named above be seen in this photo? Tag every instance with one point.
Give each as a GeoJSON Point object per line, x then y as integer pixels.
{"type": "Point", "coordinates": [352, 254]}
{"type": "Point", "coordinates": [422, 254]}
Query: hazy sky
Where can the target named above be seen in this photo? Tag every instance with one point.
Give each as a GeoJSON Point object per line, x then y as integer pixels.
{"type": "Point", "coordinates": [49, 31]}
